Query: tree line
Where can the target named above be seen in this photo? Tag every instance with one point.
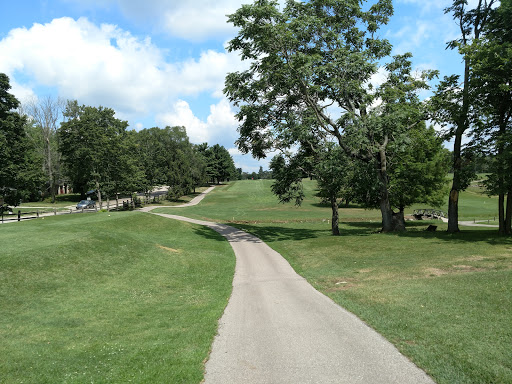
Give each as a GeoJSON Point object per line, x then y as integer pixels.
{"type": "Point", "coordinates": [50, 142]}
{"type": "Point", "coordinates": [308, 94]}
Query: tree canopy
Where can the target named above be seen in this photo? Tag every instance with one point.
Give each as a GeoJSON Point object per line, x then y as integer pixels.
{"type": "Point", "coordinates": [20, 176]}
{"type": "Point", "coordinates": [311, 75]}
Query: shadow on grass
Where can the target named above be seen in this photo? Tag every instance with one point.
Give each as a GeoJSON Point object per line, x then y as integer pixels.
{"type": "Point", "coordinates": [417, 229]}
{"type": "Point", "coordinates": [272, 233]}
{"type": "Point", "coordinates": [275, 233]}
{"type": "Point", "coordinates": [263, 233]}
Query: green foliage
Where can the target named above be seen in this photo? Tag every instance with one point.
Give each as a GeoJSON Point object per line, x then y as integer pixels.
{"type": "Point", "coordinates": [443, 300]}
{"type": "Point", "coordinates": [97, 151]}
{"type": "Point", "coordinates": [219, 163]}
{"type": "Point", "coordinates": [313, 56]}
{"type": "Point", "coordinates": [455, 105]}
{"type": "Point", "coordinates": [491, 81]}
{"type": "Point", "coordinates": [417, 172]}
{"type": "Point", "coordinates": [20, 176]}
{"type": "Point", "coordinates": [118, 298]}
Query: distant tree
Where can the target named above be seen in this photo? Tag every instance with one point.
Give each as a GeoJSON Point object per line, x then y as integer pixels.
{"type": "Point", "coordinates": [45, 115]}
{"type": "Point", "coordinates": [95, 150]}
{"type": "Point", "coordinates": [198, 170]}
{"type": "Point", "coordinates": [328, 164]}
{"type": "Point", "coordinates": [220, 164]}
{"type": "Point", "coordinates": [20, 176]}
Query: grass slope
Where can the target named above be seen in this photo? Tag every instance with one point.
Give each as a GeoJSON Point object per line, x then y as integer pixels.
{"type": "Point", "coordinates": [444, 300]}
{"type": "Point", "coordinates": [125, 297]}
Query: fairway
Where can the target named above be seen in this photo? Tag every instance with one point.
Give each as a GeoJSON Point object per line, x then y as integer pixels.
{"type": "Point", "coordinates": [117, 298]}
{"type": "Point", "coordinates": [444, 300]}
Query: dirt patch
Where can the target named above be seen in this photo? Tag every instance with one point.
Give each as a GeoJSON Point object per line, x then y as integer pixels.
{"type": "Point", "coordinates": [169, 249]}
{"type": "Point", "coordinates": [466, 268]}
{"type": "Point", "coordinates": [435, 272]}
{"type": "Point", "coordinates": [473, 258]}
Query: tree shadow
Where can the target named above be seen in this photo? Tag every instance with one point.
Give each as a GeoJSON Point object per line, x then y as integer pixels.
{"type": "Point", "coordinates": [418, 229]}
{"type": "Point", "coordinates": [272, 233]}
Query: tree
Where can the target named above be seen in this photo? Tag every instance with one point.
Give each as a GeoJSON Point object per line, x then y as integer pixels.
{"type": "Point", "coordinates": [491, 82]}
{"type": "Point", "coordinates": [45, 114]}
{"type": "Point", "coordinates": [95, 150]}
{"type": "Point", "coordinates": [168, 157]}
{"type": "Point", "coordinates": [328, 164]}
{"type": "Point", "coordinates": [20, 177]}
{"type": "Point", "coordinates": [311, 66]}
{"type": "Point", "coordinates": [219, 164]}
{"type": "Point", "coordinates": [417, 173]}
{"type": "Point", "coordinates": [454, 103]}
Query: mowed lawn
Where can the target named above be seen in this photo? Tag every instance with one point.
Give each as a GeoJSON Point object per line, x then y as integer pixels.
{"type": "Point", "coordinates": [109, 298]}
{"type": "Point", "coordinates": [444, 300]}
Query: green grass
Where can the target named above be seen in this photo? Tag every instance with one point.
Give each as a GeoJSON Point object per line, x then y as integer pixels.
{"type": "Point", "coordinates": [444, 300]}
{"type": "Point", "coordinates": [120, 297]}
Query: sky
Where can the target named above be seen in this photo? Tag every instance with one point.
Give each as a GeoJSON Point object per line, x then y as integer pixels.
{"type": "Point", "coordinates": [163, 62]}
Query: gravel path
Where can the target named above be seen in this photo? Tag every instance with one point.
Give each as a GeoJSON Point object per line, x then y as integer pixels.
{"type": "Point", "coordinates": [277, 328]}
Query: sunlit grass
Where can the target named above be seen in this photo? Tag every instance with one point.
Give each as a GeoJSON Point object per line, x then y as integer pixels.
{"type": "Point", "coordinates": [445, 300]}
{"type": "Point", "coordinates": [121, 297]}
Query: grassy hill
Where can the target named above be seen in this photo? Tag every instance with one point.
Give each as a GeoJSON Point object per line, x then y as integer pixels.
{"type": "Point", "coordinates": [129, 296]}
{"type": "Point", "coordinates": [109, 298]}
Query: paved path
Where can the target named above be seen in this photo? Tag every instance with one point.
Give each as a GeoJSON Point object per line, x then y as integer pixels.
{"type": "Point", "coordinates": [277, 328]}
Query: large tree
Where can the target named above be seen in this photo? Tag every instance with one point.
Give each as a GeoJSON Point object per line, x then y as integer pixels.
{"type": "Point", "coordinates": [311, 73]}
{"type": "Point", "coordinates": [491, 81]}
{"type": "Point", "coordinates": [95, 150]}
{"type": "Point", "coordinates": [219, 163]}
{"type": "Point", "coordinates": [168, 158]}
{"type": "Point", "coordinates": [20, 176]}
{"type": "Point", "coordinates": [454, 103]}
{"type": "Point", "coordinates": [45, 115]}
{"type": "Point", "coordinates": [417, 173]}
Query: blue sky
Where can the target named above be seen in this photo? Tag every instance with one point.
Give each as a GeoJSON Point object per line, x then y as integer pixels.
{"type": "Point", "coordinates": [162, 62]}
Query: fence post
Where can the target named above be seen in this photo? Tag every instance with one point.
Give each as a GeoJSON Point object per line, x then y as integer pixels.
{"type": "Point", "coordinates": [54, 211]}
{"type": "Point", "coordinates": [37, 213]}
{"type": "Point", "coordinates": [19, 215]}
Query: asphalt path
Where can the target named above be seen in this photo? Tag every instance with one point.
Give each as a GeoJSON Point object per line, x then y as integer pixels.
{"type": "Point", "coordinates": [277, 328]}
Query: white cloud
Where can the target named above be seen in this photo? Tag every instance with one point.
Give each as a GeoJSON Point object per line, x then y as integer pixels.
{"type": "Point", "coordinates": [190, 20]}
{"type": "Point", "coordinates": [220, 125]}
{"type": "Point", "coordinates": [182, 115]}
{"type": "Point", "coordinates": [108, 66]}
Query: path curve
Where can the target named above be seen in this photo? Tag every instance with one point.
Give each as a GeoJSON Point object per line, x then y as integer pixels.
{"type": "Point", "coordinates": [277, 328]}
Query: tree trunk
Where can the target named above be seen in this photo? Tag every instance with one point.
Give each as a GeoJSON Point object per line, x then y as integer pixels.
{"type": "Point", "coordinates": [453, 209]}
{"type": "Point", "coordinates": [462, 125]}
{"type": "Point", "coordinates": [385, 206]}
{"type": "Point", "coordinates": [508, 218]}
{"type": "Point", "coordinates": [335, 217]}
{"type": "Point", "coordinates": [501, 213]}
{"type": "Point", "coordinates": [99, 193]}
{"type": "Point", "coordinates": [399, 220]}
{"type": "Point", "coordinates": [50, 170]}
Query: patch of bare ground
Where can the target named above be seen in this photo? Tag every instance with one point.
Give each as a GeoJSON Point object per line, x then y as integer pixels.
{"type": "Point", "coordinates": [168, 249]}
{"type": "Point", "coordinates": [435, 272]}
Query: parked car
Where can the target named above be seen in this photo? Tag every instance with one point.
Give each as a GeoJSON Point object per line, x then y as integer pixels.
{"type": "Point", "coordinates": [84, 204]}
